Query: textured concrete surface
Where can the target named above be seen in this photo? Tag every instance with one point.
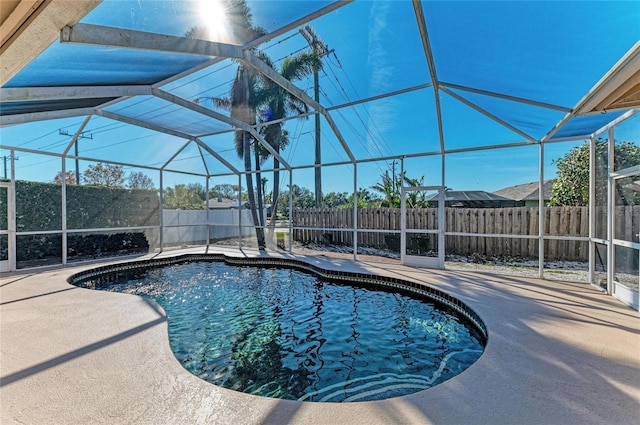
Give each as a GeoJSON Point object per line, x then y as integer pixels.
{"type": "Point", "coordinates": [558, 353]}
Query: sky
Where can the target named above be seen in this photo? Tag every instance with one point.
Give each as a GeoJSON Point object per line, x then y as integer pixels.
{"type": "Point", "coordinates": [551, 52]}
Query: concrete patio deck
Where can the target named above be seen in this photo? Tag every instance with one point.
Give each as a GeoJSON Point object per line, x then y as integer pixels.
{"type": "Point", "coordinates": [558, 353]}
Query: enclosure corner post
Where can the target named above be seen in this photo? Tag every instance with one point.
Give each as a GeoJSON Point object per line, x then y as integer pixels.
{"type": "Point", "coordinates": [592, 210]}
{"type": "Point", "coordinates": [161, 207]}
{"type": "Point", "coordinates": [355, 211]}
{"type": "Point", "coordinates": [541, 212]}
{"type": "Point", "coordinates": [610, 211]}
{"type": "Point", "coordinates": [290, 211]}
{"type": "Point", "coordinates": [206, 211]}
{"type": "Point", "coordinates": [240, 210]}
{"type": "Point", "coordinates": [63, 209]}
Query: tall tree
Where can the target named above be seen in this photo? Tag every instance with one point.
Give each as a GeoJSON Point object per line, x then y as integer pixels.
{"type": "Point", "coordinates": [571, 187]}
{"type": "Point", "coordinates": [365, 200]}
{"type": "Point", "coordinates": [252, 92]}
{"type": "Point", "coordinates": [224, 190]}
{"type": "Point", "coordinates": [184, 196]}
{"type": "Point", "coordinates": [302, 198]}
{"type": "Point", "coordinates": [335, 199]}
{"type": "Point", "coordinates": [139, 180]}
{"type": "Point", "coordinates": [109, 175]}
{"type": "Point", "coordinates": [277, 103]}
{"type": "Point", "coordinates": [241, 101]}
{"type": "Point", "coordinates": [69, 178]}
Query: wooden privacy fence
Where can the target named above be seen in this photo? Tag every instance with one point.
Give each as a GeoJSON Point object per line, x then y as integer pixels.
{"type": "Point", "coordinates": [520, 221]}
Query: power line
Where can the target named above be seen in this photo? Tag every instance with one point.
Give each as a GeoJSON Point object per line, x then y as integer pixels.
{"type": "Point", "coordinates": [373, 137]}
{"type": "Point", "coordinates": [372, 121]}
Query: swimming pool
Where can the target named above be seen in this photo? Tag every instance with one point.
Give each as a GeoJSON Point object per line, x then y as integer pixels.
{"type": "Point", "coordinates": [285, 333]}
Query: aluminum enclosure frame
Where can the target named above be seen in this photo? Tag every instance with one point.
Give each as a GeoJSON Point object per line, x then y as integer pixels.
{"type": "Point", "coordinates": [85, 34]}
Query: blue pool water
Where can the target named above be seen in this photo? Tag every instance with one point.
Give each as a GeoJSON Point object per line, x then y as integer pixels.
{"type": "Point", "coordinates": [286, 334]}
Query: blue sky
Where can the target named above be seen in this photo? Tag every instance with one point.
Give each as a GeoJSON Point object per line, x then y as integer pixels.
{"type": "Point", "coordinates": [551, 52]}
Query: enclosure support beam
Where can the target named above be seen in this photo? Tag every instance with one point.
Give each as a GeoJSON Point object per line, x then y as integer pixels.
{"type": "Point", "coordinates": [355, 211]}
{"type": "Point", "coordinates": [505, 97]}
{"type": "Point", "coordinates": [206, 208]}
{"type": "Point", "coordinates": [160, 129]}
{"type": "Point", "coordinates": [143, 124]}
{"type": "Point", "coordinates": [488, 114]}
{"type": "Point", "coordinates": [6, 120]}
{"type": "Point", "coordinates": [250, 45]}
{"type": "Point", "coordinates": [617, 121]}
{"type": "Point", "coordinates": [161, 206]}
{"type": "Point", "coordinates": [11, 225]}
{"type": "Point", "coordinates": [290, 211]}
{"type": "Point", "coordinates": [541, 212]}
{"type": "Point", "coordinates": [426, 45]}
{"type": "Point", "coordinates": [74, 142]}
{"type": "Point", "coordinates": [333, 108]}
{"type": "Point", "coordinates": [63, 209]}
{"type": "Point", "coordinates": [217, 116]}
{"type": "Point", "coordinates": [216, 155]}
{"type": "Point", "coordinates": [297, 23]}
{"type": "Point", "coordinates": [204, 162]}
{"type": "Point", "coordinates": [592, 210]}
{"type": "Point", "coordinates": [19, 94]}
{"type": "Point", "coordinates": [98, 35]}
{"type": "Point", "coordinates": [240, 211]}
{"type": "Point", "coordinates": [403, 214]}
{"type": "Point", "coordinates": [610, 212]}
{"type": "Point", "coordinates": [175, 155]}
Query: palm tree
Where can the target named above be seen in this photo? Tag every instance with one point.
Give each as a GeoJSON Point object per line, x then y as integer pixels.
{"type": "Point", "coordinates": [391, 185]}
{"type": "Point", "coordinates": [416, 199]}
{"type": "Point", "coordinates": [390, 189]}
{"type": "Point", "coordinates": [251, 91]}
{"type": "Point", "coordinates": [277, 104]}
{"type": "Point", "coordinates": [241, 101]}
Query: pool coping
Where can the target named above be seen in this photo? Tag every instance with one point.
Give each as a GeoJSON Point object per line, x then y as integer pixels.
{"type": "Point", "coordinates": [557, 353]}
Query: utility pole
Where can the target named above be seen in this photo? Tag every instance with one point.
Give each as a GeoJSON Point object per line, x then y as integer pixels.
{"type": "Point", "coordinates": [318, 46]}
{"type": "Point", "coordinates": [82, 135]}
{"type": "Point", "coordinates": [6, 158]}
{"type": "Point", "coordinates": [393, 175]}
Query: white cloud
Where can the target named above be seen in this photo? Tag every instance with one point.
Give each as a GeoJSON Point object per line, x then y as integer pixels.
{"type": "Point", "coordinates": [382, 74]}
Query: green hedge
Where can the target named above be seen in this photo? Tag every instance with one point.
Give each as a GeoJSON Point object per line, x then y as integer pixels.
{"type": "Point", "coordinates": [3, 208]}
{"type": "Point", "coordinates": [39, 207]}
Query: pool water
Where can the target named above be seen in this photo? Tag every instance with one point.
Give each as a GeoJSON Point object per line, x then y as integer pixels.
{"type": "Point", "coordinates": [287, 334]}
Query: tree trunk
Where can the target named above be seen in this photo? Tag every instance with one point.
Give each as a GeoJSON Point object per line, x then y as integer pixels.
{"type": "Point", "coordinates": [259, 185]}
{"type": "Point", "coordinates": [246, 147]}
{"type": "Point", "coordinates": [276, 194]}
{"type": "Point", "coordinates": [252, 197]}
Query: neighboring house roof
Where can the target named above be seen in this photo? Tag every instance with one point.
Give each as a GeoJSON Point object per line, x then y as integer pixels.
{"type": "Point", "coordinates": [221, 203]}
{"type": "Point", "coordinates": [468, 195]}
{"type": "Point", "coordinates": [527, 191]}
{"type": "Point", "coordinates": [472, 199]}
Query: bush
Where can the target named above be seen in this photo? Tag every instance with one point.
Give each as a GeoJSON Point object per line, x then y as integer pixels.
{"type": "Point", "coordinates": [35, 250]}
{"type": "Point", "coordinates": [100, 245]}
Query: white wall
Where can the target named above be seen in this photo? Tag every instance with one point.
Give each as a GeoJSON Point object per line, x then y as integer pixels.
{"type": "Point", "coordinates": [192, 230]}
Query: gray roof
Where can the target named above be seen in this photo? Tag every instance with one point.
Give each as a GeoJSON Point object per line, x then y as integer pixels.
{"type": "Point", "coordinates": [526, 192]}
{"type": "Point", "coordinates": [217, 203]}
{"type": "Point", "coordinates": [468, 195]}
